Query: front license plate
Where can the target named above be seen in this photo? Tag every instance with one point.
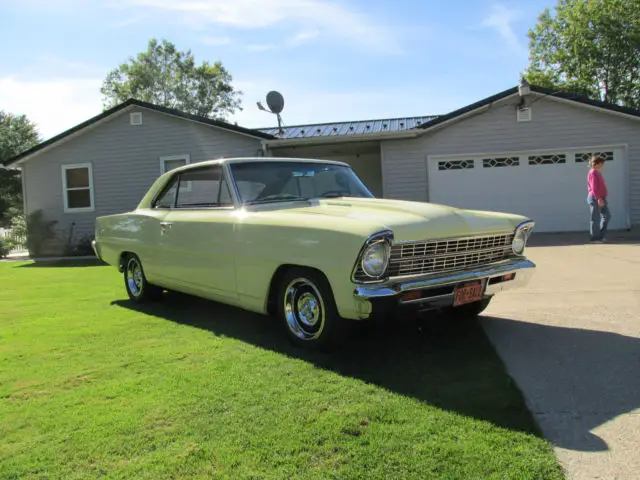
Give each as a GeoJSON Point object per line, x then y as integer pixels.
{"type": "Point", "coordinates": [468, 293]}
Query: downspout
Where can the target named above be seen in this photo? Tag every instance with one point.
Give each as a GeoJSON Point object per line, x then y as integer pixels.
{"type": "Point", "coordinates": [23, 180]}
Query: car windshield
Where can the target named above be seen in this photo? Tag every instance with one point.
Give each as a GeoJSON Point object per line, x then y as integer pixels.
{"type": "Point", "coordinates": [276, 181]}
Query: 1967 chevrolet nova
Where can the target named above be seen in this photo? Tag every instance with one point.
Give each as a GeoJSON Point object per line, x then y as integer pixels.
{"type": "Point", "coordinates": [304, 240]}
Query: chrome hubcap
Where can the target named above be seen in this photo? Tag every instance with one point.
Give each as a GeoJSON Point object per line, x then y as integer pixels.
{"type": "Point", "coordinates": [304, 309]}
{"type": "Point", "coordinates": [134, 277]}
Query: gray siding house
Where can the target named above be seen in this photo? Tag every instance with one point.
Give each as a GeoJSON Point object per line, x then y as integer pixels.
{"type": "Point", "coordinates": [517, 151]}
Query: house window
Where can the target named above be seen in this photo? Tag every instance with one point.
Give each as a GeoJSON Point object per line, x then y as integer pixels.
{"type": "Point", "coordinates": [77, 187]}
{"type": "Point", "coordinates": [173, 161]}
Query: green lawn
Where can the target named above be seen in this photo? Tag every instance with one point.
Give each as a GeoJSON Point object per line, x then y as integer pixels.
{"type": "Point", "coordinates": [91, 387]}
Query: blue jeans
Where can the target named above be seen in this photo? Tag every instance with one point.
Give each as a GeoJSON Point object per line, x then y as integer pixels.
{"type": "Point", "coordinates": [600, 217]}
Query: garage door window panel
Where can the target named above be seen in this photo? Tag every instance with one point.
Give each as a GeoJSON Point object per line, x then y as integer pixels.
{"type": "Point", "coordinates": [584, 157]}
{"type": "Point", "coordinates": [551, 159]}
{"type": "Point", "coordinates": [77, 186]}
{"type": "Point", "coordinates": [455, 165]}
{"type": "Point", "coordinates": [500, 162]}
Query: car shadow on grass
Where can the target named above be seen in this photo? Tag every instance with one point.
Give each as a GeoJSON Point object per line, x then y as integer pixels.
{"type": "Point", "coordinates": [450, 366]}
{"type": "Point", "coordinates": [66, 263]}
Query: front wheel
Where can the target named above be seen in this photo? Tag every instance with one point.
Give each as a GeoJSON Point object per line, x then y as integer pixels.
{"type": "Point", "coordinates": [138, 288]}
{"type": "Point", "coordinates": [307, 310]}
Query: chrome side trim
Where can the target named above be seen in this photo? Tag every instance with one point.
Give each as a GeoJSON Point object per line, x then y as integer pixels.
{"type": "Point", "coordinates": [391, 288]}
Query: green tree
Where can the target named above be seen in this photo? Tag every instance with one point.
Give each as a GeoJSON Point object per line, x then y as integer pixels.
{"type": "Point", "coordinates": [165, 76]}
{"type": "Point", "coordinates": [17, 134]}
{"type": "Point", "coordinates": [590, 47]}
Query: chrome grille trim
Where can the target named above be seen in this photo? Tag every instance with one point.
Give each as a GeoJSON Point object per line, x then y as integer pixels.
{"type": "Point", "coordinates": [435, 256]}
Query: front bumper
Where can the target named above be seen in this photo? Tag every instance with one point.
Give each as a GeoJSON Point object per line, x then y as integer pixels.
{"type": "Point", "coordinates": [438, 290]}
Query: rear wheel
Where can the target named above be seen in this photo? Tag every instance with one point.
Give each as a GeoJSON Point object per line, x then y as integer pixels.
{"type": "Point", "coordinates": [138, 288]}
{"type": "Point", "coordinates": [307, 310]}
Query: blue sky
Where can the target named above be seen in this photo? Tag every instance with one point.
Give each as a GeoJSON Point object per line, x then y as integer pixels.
{"type": "Point", "coordinates": [332, 60]}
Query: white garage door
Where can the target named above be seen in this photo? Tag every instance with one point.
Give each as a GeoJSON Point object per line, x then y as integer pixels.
{"type": "Point", "coordinates": [548, 187]}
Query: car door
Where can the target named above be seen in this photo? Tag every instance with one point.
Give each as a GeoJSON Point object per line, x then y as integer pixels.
{"type": "Point", "coordinates": [197, 235]}
{"type": "Point", "coordinates": [151, 227]}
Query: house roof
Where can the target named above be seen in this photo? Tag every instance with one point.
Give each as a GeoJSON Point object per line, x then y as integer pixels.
{"type": "Point", "coordinates": [338, 130]}
{"type": "Point", "coordinates": [141, 104]}
{"type": "Point", "coordinates": [357, 127]}
{"type": "Point", "coordinates": [541, 90]}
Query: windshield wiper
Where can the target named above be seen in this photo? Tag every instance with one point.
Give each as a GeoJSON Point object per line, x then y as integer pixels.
{"type": "Point", "coordinates": [277, 198]}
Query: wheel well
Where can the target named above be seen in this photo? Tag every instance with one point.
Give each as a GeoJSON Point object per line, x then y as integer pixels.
{"type": "Point", "coordinates": [123, 257]}
{"type": "Point", "coordinates": [272, 297]}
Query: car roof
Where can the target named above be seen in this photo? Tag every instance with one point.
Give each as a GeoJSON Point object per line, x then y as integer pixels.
{"type": "Point", "coordinates": [233, 160]}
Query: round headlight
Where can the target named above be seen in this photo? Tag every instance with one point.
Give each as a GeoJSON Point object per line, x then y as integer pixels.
{"type": "Point", "coordinates": [519, 242]}
{"type": "Point", "coordinates": [375, 259]}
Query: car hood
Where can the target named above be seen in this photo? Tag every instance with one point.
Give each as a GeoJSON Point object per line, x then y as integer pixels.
{"type": "Point", "coordinates": [408, 220]}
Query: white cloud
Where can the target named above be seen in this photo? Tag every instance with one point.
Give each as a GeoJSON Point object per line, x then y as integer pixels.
{"type": "Point", "coordinates": [304, 36]}
{"type": "Point", "coordinates": [54, 105]}
{"type": "Point", "coordinates": [501, 19]}
{"type": "Point", "coordinates": [328, 17]}
{"type": "Point", "coordinates": [216, 41]}
{"type": "Point", "coordinates": [260, 47]}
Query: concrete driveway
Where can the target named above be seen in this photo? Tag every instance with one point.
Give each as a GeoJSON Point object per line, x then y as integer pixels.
{"type": "Point", "coordinates": [571, 341]}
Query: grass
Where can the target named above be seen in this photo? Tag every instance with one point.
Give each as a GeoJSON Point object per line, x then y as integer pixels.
{"type": "Point", "coordinates": [91, 387]}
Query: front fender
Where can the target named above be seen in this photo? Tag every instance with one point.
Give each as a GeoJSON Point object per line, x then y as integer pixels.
{"type": "Point", "coordinates": [261, 250]}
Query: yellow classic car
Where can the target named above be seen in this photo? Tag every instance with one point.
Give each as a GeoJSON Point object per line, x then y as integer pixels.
{"type": "Point", "coordinates": [305, 240]}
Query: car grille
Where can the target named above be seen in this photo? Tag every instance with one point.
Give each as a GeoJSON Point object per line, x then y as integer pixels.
{"type": "Point", "coordinates": [433, 256]}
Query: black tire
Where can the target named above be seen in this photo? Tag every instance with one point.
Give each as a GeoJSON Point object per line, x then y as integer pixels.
{"type": "Point", "coordinates": [135, 282]}
{"type": "Point", "coordinates": [320, 327]}
{"type": "Point", "coordinates": [470, 311]}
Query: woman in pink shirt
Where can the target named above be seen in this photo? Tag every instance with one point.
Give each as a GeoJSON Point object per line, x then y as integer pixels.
{"type": "Point", "coordinates": [597, 200]}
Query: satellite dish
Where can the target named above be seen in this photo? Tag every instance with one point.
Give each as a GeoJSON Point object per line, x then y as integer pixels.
{"type": "Point", "coordinates": [275, 102]}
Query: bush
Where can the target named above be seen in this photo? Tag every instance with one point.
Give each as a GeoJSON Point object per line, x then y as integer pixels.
{"type": "Point", "coordinates": [4, 248]}
{"type": "Point", "coordinates": [82, 248]}
{"type": "Point", "coordinates": [31, 231]}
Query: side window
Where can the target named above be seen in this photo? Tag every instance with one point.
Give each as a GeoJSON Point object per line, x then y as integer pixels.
{"type": "Point", "coordinates": [207, 188]}
{"type": "Point", "coordinates": [168, 196]}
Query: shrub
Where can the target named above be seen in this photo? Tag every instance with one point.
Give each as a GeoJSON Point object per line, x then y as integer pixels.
{"type": "Point", "coordinates": [4, 248]}
{"type": "Point", "coordinates": [31, 231]}
{"type": "Point", "coordinates": [81, 248]}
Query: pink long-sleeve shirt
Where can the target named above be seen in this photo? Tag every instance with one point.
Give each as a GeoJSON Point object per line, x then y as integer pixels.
{"type": "Point", "coordinates": [596, 184]}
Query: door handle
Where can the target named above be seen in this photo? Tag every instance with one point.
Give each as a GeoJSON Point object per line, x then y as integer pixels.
{"type": "Point", "coordinates": [165, 226]}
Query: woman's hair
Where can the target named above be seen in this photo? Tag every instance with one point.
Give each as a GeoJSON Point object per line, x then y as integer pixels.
{"type": "Point", "coordinates": [596, 160]}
